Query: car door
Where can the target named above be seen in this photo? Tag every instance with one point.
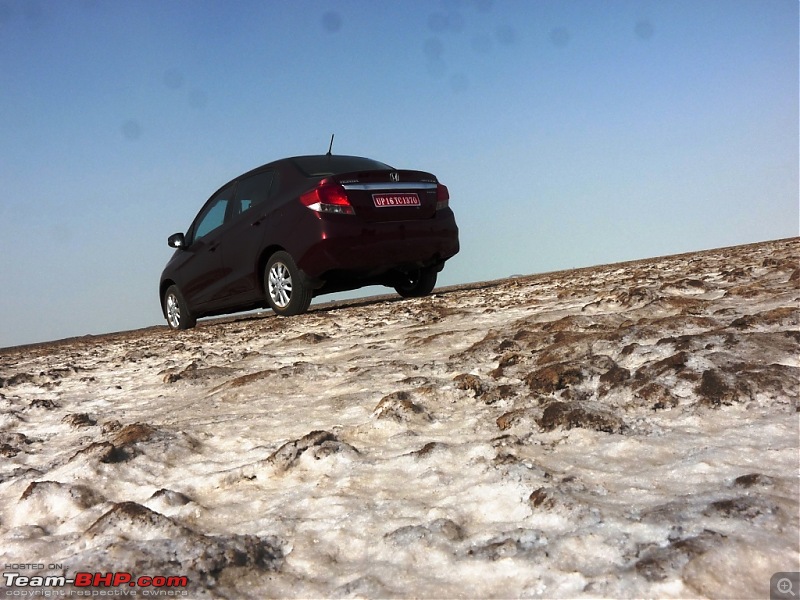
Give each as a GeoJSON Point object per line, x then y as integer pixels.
{"type": "Point", "coordinates": [202, 272]}
{"type": "Point", "coordinates": [240, 250]}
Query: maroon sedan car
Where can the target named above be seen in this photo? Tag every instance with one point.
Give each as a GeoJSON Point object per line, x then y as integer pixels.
{"type": "Point", "coordinates": [299, 227]}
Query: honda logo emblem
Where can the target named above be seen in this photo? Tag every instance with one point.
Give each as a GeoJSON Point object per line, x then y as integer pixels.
{"type": "Point", "coordinates": [394, 176]}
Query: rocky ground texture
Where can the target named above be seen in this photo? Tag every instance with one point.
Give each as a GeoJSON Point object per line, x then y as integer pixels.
{"type": "Point", "coordinates": [619, 431]}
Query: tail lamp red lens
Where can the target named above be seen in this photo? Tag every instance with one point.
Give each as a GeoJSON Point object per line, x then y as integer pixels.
{"type": "Point", "coordinates": [442, 196]}
{"type": "Point", "coordinates": [328, 197]}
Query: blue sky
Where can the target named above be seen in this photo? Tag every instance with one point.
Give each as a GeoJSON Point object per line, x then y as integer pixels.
{"type": "Point", "coordinates": [570, 132]}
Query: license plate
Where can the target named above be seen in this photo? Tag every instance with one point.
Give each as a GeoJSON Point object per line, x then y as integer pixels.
{"type": "Point", "coordinates": [382, 200]}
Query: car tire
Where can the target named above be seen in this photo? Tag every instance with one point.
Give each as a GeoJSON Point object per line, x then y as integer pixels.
{"type": "Point", "coordinates": [176, 310]}
{"type": "Point", "coordinates": [417, 284]}
{"type": "Point", "coordinates": [286, 291]}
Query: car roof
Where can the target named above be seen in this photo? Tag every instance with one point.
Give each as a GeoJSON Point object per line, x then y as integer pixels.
{"type": "Point", "coordinates": [331, 164]}
{"type": "Point", "coordinates": [315, 165]}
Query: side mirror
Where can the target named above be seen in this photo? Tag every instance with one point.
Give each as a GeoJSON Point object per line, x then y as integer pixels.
{"type": "Point", "coordinates": [176, 240]}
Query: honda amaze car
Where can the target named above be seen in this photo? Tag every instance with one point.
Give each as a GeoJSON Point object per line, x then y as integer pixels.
{"type": "Point", "coordinates": [296, 228]}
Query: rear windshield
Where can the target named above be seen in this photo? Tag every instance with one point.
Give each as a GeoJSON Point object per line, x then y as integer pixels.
{"type": "Point", "coordinates": [319, 166]}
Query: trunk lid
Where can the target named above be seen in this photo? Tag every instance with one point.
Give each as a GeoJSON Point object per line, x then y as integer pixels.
{"type": "Point", "coordinates": [390, 195]}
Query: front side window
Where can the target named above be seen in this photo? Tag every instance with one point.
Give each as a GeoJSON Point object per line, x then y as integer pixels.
{"type": "Point", "coordinates": [213, 215]}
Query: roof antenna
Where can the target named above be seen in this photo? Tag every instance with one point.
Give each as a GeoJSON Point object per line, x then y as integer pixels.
{"type": "Point", "coordinates": [331, 146]}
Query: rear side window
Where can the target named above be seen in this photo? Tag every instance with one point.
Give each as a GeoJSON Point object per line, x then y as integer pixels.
{"type": "Point", "coordinates": [320, 166]}
{"type": "Point", "coordinates": [252, 191]}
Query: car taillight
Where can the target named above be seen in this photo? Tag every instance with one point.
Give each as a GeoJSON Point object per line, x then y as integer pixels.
{"type": "Point", "coordinates": [442, 196]}
{"type": "Point", "coordinates": [328, 197]}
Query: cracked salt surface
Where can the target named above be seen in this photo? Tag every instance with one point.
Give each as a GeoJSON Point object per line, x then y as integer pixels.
{"type": "Point", "coordinates": [621, 431]}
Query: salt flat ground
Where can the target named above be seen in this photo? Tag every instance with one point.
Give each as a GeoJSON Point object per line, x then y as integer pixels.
{"type": "Point", "coordinates": [626, 430]}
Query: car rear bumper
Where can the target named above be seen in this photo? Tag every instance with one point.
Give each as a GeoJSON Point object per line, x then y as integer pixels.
{"type": "Point", "coordinates": [373, 248]}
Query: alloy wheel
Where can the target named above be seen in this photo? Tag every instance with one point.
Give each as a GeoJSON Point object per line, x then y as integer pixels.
{"type": "Point", "coordinates": [280, 284]}
{"type": "Point", "coordinates": [173, 311]}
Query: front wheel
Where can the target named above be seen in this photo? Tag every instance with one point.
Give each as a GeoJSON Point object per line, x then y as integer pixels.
{"type": "Point", "coordinates": [176, 310]}
{"type": "Point", "coordinates": [286, 293]}
{"type": "Point", "coordinates": [416, 284]}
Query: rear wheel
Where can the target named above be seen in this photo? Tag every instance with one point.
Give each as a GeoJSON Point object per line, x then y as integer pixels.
{"type": "Point", "coordinates": [286, 293]}
{"type": "Point", "coordinates": [176, 310]}
{"type": "Point", "coordinates": [416, 284]}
